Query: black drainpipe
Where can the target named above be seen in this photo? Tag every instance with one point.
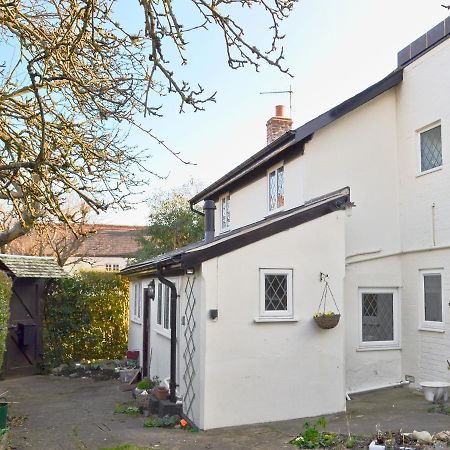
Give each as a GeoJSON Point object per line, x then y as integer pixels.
{"type": "Point", "coordinates": [173, 334]}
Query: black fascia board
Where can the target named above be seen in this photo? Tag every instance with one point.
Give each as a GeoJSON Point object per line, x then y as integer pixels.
{"type": "Point", "coordinates": [196, 257]}
{"type": "Point", "coordinates": [207, 192]}
{"type": "Point", "coordinates": [297, 137]}
{"type": "Point", "coordinates": [393, 79]}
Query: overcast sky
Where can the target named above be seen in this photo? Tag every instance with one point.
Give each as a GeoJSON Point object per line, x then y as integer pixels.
{"type": "Point", "coordinates": [334, 49]}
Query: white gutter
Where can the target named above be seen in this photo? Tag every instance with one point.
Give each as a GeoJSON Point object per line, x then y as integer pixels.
{"type": "Point", "coordinates": [376, 388]}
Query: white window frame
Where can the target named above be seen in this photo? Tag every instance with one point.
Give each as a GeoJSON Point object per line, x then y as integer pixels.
{"type": "Point", "coordinates": [136, 302]}
{"type": "Point", "coordinates": [429, 325]}
{"type": "Point", "coordinates": [275, 315]}
{"type": "Point", "coordinates": [228, 222]}
{"type": "Point", "coordinates": [165, 315]}
{"type": "Point", "coordinates": [419, 132]}
{"type": "Point", "coordinates": [381, 345]}
{"type": "Point", "coordinates": [271, 170]}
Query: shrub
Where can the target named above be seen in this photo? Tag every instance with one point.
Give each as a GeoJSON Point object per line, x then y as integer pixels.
{"type": "Point", "coordinates": [86, 317]}
{"type": "Point", "coordinates": [5, 297]}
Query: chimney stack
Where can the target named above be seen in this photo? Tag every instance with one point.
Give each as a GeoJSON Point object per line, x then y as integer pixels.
{"type": "Point", "coordinates": [278, 125]}
{"type": "Point", "coordinates": [208, 208]}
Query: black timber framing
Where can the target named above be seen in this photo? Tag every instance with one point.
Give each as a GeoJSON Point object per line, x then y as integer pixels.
{"type": "Point", "coordinates": [196, 257]}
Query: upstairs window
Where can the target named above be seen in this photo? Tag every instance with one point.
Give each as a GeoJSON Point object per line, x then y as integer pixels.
{"type": "Point", "coordinates": [112, 267]}
{"type": "Point", "coordinates": [276, 188]}
{"type": "Point", "coordinates": [430, 149]}
{"type": "Point", "coordinates": [225, 215]}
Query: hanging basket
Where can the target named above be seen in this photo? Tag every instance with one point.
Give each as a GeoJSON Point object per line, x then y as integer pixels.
{"type": "Point", "coordinates": [328, 321]}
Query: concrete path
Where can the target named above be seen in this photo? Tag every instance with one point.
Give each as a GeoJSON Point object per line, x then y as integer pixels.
{"type": "Point", "coordinates": [71, 414]}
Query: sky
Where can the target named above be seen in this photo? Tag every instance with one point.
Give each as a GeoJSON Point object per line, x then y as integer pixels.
{"type": "Point", "coordinates": [334, 49]}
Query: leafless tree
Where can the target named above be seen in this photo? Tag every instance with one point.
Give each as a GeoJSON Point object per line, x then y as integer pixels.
{"type": "Point", "coordinates": [75, 82]}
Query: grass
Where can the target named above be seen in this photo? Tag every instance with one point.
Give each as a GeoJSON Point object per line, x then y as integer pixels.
{"type": "Point", "coordinates": [123, 408]}
{"type": "Point", "coordinates": [439, 408]}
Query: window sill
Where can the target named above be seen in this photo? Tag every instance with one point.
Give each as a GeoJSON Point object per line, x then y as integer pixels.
{"type": "Point", "coordinates": [433, 330]}
{"type": "Point", "coordinates": [275, 319]}
{"type": "Point", "coordinates": [426, 172]}
{"type": "Point", "coordinates": [164, 333]}
{"type": "Point", "coordinates": [136, 320]}
{"type": "Point", "coordinates": [377, 348]}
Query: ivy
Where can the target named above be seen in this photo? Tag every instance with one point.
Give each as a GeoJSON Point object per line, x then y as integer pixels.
{"type": "Point", "coordinates": [86, 317]}
{"type": "Point", "coordinates": [5, 298]}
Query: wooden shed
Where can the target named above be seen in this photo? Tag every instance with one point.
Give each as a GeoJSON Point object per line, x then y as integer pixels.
{"type": "Point", "coordinates": [24, 345]}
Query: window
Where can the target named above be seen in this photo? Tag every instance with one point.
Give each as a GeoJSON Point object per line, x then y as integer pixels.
{"type": "Point", "coordinates": [225, 217]}
{"type": "Point", "coordinates": [159, 305]}
{"type": "Point", "coordinates": [431, 287]}
{"type": "Point", "coordinates": [430, 149]}
{"type": "Point", "coordinates": [112, 267]}
{"type": "Point", "coordinates": [379, 318]}
{"type": "Point", "coordinates": [136, 303]}
{"type": "Point", "coordinates": [276, 293]}
{"type": "Point", "coordinates": [163, 306]}
{"type": "Point", "coordinates": [276, 188]}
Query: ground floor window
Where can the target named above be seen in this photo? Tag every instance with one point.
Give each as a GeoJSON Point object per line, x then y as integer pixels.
{"type": "Point", "coordinates": [378, 318]}
{"type": "Point", "coordinates": [163, 306]}
{"type": "Point", "coordinates": [431, 304]}
{"type": "Point", "coordinates": [276, 293]}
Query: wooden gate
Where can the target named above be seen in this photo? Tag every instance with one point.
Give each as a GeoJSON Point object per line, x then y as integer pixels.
{"type": "Point", "coordinates": [24, 340]}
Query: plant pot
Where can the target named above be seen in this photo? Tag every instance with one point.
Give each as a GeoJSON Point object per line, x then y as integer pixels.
{"type": "Point", "coordinates": [327, 322]}
{"type": "Point", "coordinates": [161, 393]}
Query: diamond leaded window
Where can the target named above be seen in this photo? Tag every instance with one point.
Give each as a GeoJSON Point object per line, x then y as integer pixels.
{"type": "Point", "coordinates": [276, 293]}
{"type": "Point", "coordinates": [276, 188]}
{"type": "Point", "coordinates": [430, 149]}
{"type": "Point", "coordinates": [225, 215]}
{"type": "Point", "coordinates": [378, 318]}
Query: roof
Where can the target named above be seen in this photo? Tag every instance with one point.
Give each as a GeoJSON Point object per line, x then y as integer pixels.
{"type": "Point", "coordinates": [196, 253]}
{"type": "Point", "coordinates": [111, 240]}
{"type": "Point", "coordinates": [102, 240]}
{"type": "Point", "coordinates": [31, 266]}
{"type": "Point", "coordinates": [295, 140]}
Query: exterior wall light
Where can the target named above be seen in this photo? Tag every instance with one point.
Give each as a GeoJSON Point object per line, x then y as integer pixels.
{"type": "Point", "coordinates": [190, 271]}
{"type": "Point", "coordinates": [151, 290]}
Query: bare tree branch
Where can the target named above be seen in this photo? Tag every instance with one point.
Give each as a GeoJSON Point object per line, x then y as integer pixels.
{"type": "Point", "coordinates": [77, 82]}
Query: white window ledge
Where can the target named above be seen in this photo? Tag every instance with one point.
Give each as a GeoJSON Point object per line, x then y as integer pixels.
{"type": "Point", "coordinates": [433, 330]}
{"type": "Point", "coordinates": [136, 320]}
{"type": "Point", "coordinates": [426, 172]}
{"type": "Point", "coordinates": [374, 348]}
{"type": "Point", "coordinates": [275, 319]}
{"type": "Point", "coordinates": [164, 333]}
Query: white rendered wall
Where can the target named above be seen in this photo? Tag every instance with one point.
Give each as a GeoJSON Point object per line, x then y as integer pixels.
{"type": "Point", "coordinates": [424, 99]}
{"type": "Point", "coordinates": [368, 368]}
{"type": "Point", "coordinates": [259, 372]}
{"type": "Point", "coordinates": [357, 150]}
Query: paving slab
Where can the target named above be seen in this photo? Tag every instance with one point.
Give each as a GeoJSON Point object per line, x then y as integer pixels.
{"type": "Point", "coordinates": [71, 414]}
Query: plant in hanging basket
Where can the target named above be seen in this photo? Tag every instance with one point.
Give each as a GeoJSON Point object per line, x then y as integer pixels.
{"type": "Point", "coordinates": [327, 320]}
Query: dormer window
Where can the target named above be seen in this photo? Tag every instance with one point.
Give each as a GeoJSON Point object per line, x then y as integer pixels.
{"type": "Point", "coordinates": [275, 179]}
{"type": "Point", "coordinates": [225, 215]}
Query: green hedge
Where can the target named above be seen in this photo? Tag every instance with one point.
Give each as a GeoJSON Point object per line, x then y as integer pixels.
{"type": "Point", "coordinates": [5, 297]}
{"type": "Point", "coordinates": [86, 318]}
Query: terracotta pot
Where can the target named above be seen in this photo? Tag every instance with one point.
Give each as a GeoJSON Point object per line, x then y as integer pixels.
{"type": "Point", "coordinates": [161, 393]}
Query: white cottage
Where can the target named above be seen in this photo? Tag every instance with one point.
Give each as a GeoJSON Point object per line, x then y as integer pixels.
{"type": "Point", "coordinates": [246, 348]}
